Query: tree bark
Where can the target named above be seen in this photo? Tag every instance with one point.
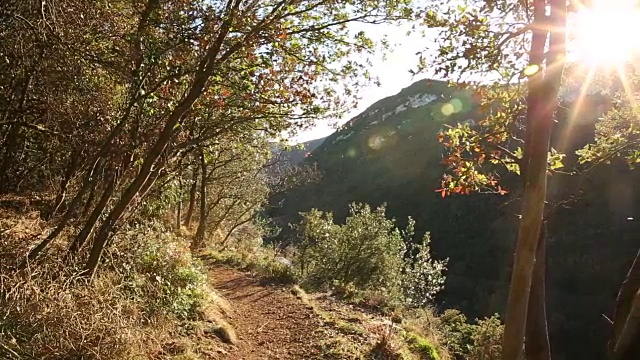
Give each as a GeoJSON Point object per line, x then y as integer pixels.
{"type": "Point", "coordinates": [88, 182]}
{"type": "Point", "coordinates": [91, 222]}
{"type": "Point", "coordinates": [193, 192]}
{"type": "Point", "coordinates": [179, 202]}
{"type": "Point", "coordinates": [90, 198]}
{"type": "Point", "coordinates": [72, 167]}
{"type": "Point", "coordinates": [8, 159]}
{"type": "Point", "coordinates": [537, 345]}
{"type": "Point", "coordinates": [542, 97]}
{"type": "Point", "coordinates": [198, 241]}
{"type": "Point", "coordinates": [625, 323]}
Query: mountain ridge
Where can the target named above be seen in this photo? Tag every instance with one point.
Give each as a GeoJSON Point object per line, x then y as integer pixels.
{"type": "Point", "coordinates": [396, 159]}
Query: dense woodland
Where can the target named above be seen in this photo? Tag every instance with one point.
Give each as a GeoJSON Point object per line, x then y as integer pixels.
{"type": "Point", "coordinates": [136, 136]}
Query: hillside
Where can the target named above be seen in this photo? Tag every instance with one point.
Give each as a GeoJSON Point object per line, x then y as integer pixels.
{"type": "Point", "coordinates": [297, 153]}
{"type": "Point", "coordinates": [390, 154]}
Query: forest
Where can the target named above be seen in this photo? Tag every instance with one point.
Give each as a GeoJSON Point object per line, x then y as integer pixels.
{"type": "Point", "coordinates": [146, 162]}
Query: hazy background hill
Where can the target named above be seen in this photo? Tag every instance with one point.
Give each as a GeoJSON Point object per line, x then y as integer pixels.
{"type": "Point", "coordinates": [297, 153]}
{"type": "Point", "coordinates": [390, 153]}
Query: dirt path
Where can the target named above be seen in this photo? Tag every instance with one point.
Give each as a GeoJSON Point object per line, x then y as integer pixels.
{"type": "Point", "coordinates": [271, 323]}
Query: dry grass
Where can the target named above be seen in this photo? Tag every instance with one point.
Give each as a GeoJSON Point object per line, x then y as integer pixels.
{"type": "Point", "coordinates": [48, 312]}
{"type": "Point", "coordinates": [59, 318]}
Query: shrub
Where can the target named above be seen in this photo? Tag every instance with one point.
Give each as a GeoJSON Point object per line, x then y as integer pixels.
{"type": "Point", "coordinates": [262, 261]}
{"type": "Point", "coordinates": [479, 341]}
{"type": "Point", "coordinates": [422, 276]}
{"type": "Point", "coordinates": [367, 254]}
{"type": "Point", "coordinates": [163, 274]}
{"type": "Point", "coordinates": [487, 339]}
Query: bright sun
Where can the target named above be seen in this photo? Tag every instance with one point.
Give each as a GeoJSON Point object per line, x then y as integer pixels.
{"type": "Point", "coordinates": [607, 33]}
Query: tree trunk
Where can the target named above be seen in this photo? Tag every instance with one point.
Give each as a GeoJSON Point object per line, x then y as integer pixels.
{"type": "Point", "coordinates": [537, 345]}
{"type": "Point", "coordinates": [237, 224]}
{"type": "Point", "coordinates": [118, 210]}
{"type": "Point", "coordinates": [198, 241]}
{"type": "Point", "coordinates": [542, 98]}
{"type": "Point", "coordinates": [193, 192]}
{"type": "Point", "coordinates": [88, 182]}
{"type": "Point", "coordinates": [179, 215]}
{"type": "Point", "coordinates": [179, 202]}
{"type": "Point", "coordinates": [72, 167]}
{"type": "Point", "coordinates": [624, 343]}
{"type": "Point", "coordinates": [90, 198]}
{"type": "Point", "coordinates": [91, 222]}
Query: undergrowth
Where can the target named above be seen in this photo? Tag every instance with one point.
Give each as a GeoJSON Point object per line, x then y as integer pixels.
{"type": "Point", "coordinates": [148, 287]}
{"type": "Point", "coordinates": [370, 264]}
{"type": "Point", "coordinates": [254, 258]}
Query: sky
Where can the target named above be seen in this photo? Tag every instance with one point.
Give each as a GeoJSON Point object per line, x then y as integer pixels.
{"type": "Point", "coordinates": [393, 73]}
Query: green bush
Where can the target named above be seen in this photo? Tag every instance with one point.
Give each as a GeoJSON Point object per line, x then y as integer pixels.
{"type": "Point", "coordinates": [479, 341]}
{"type": "Point", "coordinates": [160, 271]}
{"type": "Point", "coordinates": [422, 277]}
{"type": "Point", "coordinates": [367, 254]}
{"type": "Point", "coordinates": [487, 339]}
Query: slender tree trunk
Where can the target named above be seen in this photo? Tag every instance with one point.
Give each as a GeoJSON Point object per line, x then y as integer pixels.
{"type": "Point", "coordinates": [10, 147]}
{"type": "Point", "coordinates": [179, 204]}
{"type": "Point", "coordinates": [118, 210]}
{"type": "Point", "coordinates": [543, 96]}
{"type": "Point", "coordinates": [178, 220]}
{"type": "Point", "coordinates": [624, 343]}
{"type": "Point", "coordinates": [72, 167]}
{"type": "Point", "coordinates": [193, 192]}
{"type": "Point", "coordinates": [202, 223]}
{"type": "Point", "coordinates": [179, 215]}
{"type": "Point", "coordinates": [226, 213]}
{"type": "Point", "coordinates": [88, 182]}
{"type": "Point", "coordinates": [235, 226]}
{"type": "Point", "coordinates": [537, 345]}
{"type": "Point", "coordinates": [91, 222]}
{"type": "Point", "coordinates": [90, 198]}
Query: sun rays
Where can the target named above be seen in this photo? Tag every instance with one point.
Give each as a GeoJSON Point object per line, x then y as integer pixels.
{"type": "Point", "coordinates": [603, 39]}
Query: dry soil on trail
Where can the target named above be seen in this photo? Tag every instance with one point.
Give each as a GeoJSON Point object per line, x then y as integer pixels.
{"type": "Point", "coordinates": [270, 322]}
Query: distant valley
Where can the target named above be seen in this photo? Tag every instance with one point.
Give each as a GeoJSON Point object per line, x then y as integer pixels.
{"type": "Point", "coordinates": [390, 154]}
